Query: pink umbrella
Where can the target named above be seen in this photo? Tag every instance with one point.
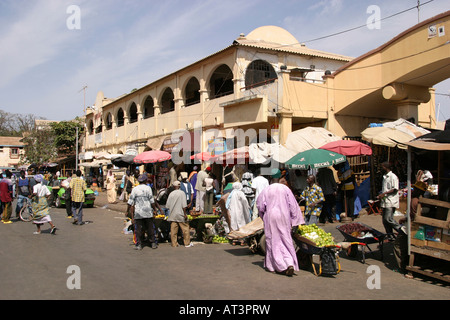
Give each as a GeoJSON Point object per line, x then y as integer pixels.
{"type": "Point", "coordinates": [203, 156]}
{"type": "Point", "coordinates": [348, 148]}
{"type": "Point", "coordinates": [152, 156]}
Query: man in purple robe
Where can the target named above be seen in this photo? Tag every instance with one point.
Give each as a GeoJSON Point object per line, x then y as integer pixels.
{"type": "Point", "coordinates": [280, 212]}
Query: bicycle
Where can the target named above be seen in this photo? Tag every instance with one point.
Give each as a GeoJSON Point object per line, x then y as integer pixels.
{"type": "Point", "coordinates": [26, 213]}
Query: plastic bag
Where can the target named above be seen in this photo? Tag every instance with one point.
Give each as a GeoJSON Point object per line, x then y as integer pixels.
{"type": "Point", "coordinates": [328, 261]}
{"type": "Point", "coordinates": [420, 234]}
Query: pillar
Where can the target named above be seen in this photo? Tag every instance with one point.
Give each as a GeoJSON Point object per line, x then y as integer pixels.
{"type": "Point", "coordinates": [285, 124]}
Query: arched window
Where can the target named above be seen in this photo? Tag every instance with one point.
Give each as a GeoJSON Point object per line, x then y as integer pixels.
{"type": "Point", "coordinates": [167, 102]}
{"type": "Point", "coordinates": [91, 127]}
{"type": "Point", "coordinates": [149, 110]}
{"type": "Point", "coordinates": [133, 113]}
{"type": "Point", "coordinates": [221, 82]}
{"type": "Point", "coordinates": [259, 73]}
{"type": "Point", "coordinates": [192, 92]}
{"type": "Point", "coordinates": [120, 118]}
{"type": "Point", "coordinates": [109, 121]}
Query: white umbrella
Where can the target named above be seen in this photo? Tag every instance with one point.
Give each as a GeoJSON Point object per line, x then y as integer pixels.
{"type": "Point", "coordinates": [309, 138]}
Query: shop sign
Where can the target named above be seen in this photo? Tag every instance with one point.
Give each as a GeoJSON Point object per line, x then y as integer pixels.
{"type": "Point", "coordinates": [217, 146]}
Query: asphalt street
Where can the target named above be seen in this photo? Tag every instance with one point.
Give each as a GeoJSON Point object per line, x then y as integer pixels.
{"type": "Point", "coordinates": [97, 261]}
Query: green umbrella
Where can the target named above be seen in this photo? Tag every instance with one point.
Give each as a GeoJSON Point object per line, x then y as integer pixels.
{"type": "Point", "coordinates": [315, 159]}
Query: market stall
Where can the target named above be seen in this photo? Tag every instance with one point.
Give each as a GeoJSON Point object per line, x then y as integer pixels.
{"type": "Point", "coordinates": [429, 232]}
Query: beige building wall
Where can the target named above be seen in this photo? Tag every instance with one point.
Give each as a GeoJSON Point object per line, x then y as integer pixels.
{"type": "Point", "coordinates": [309, 88]}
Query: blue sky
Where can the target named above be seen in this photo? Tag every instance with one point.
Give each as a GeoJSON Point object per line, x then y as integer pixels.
{"type": "Point", "coordinates": [126, 44]}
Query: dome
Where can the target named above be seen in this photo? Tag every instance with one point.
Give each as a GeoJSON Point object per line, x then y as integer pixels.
{"type": "Point", "coordinates": [273, 34]}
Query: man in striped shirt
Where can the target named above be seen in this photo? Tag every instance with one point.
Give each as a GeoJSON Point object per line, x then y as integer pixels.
{"type": "Point", "coordinates": [78, 187]}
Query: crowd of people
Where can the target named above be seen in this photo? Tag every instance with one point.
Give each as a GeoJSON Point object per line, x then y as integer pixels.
{"type": "Point", "coordinates": [33, 191]}
{"type": "Point", "coordinates": [276, 198]}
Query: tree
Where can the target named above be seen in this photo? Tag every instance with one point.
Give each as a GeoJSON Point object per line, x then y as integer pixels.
{"type": "Point", "coordinates": [39, 147]}
{"type": "Point", "coordinates": [65, 133]}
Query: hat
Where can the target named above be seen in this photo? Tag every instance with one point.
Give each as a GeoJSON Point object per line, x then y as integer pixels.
{"type": "Point", "coordinates": [420, 185]}
{"type": "Point", "coordinates": [176, 183]}
{"type": "Point", "coordinates": [38, 178]}
{"type": "Point", "coordinates": [183, 175]}
{"type": "Point", "coordinates": [143, 177]}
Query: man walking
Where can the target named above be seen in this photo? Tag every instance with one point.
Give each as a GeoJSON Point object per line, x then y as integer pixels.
{"type": "Point", "coordinates": [140, 206]}
{"type": "Point", "coordinates": [176, 202]}
{"type": "Point", "coordinates": [78, 187]}
{"type": "Point", "coordinates": [389, 200]}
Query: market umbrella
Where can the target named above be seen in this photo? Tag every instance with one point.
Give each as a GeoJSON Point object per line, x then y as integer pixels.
{"type": "Point", "coordinates": [309, 138]}
{"type": "Point", "coordinates": [123, 161]}
{"type": "Point", "coordinates": [235, 156]}
{"type": "Point", "coordinates": [386, 136]}
{"type": "Point", "coordinates": [315, 159]}
{"type": "Point", "coordinates": [152, 156]}
{"type": "Point", "coordinates": [202, 156]}
{"type": "Point", "coordinates": [348, 148]}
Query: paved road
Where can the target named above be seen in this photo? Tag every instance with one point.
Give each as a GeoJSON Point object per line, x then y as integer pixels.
{"type": "Point", "coordinates": [36, 267]}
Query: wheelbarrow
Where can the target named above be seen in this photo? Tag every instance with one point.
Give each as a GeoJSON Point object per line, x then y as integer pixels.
{"type": "Point", "coordinates": [252, 234]}
{"type": "Point", "coordinates": [329, 260]}
{"type": "Point", "coordinates": [356, 235]}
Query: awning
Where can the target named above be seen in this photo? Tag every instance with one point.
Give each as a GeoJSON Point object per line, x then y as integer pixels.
{"type": "Point", "coordinates": [155, 142]}
{"type": "Point", "coordinates": [428, 145]}
{"type": "Point", "coordinates": [95, 163]}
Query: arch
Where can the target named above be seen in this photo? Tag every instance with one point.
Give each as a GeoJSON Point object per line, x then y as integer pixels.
{"type": "Point", "coordinates": [148, 110]}
{"type": "Point", "coordinates": [120, 118]}
{"type": "Point", "coordinates": [259, 73]}
{"type": "Point", "coordinates": [221, 82]}
{"type": "Point", "coordinates": [167, 101]}
{"type": "Point", "coordinates": [133, 113]}
{"type": "Point", "coordinates": [192, 92]}
{"type": "Point", "coordinates": [109, 121]}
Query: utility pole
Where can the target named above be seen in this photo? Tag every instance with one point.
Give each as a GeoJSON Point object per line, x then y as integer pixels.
{"type": "Point", "coordinates": [84, 98]}
{"type": "Point", "coordinates": [84, 113]}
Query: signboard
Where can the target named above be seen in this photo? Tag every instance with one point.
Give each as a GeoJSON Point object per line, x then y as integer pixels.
{"type": "Point", "coordinates": [217, 146]}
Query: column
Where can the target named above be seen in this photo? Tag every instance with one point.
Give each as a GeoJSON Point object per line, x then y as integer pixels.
{"type": "Point", "coordinates": [285, 127]}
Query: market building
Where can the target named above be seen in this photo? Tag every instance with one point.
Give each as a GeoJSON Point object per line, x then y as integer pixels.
{"type": "Point", "coordinates": [267, 80]}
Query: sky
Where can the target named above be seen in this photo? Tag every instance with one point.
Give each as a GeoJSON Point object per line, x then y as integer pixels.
{"type": "Point", "coordinates": [51, 49]}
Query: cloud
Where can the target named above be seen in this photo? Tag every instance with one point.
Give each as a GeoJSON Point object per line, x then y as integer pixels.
{"type": "Point", "coordinates": [37, 35]}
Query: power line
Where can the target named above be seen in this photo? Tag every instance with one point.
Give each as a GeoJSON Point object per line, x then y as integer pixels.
{"type": "Point", "coordinates": [365, 25]}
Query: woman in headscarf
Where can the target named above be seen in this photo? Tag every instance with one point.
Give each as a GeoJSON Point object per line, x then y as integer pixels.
{"type": "Point", "coordinates": [238, 208]}
{"type": "Point", "coordinates": [280, 212]}
{"type": "Point", "coordinates": [40, 205]}
{"type": "Point", "coordinates": [111, 187]}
